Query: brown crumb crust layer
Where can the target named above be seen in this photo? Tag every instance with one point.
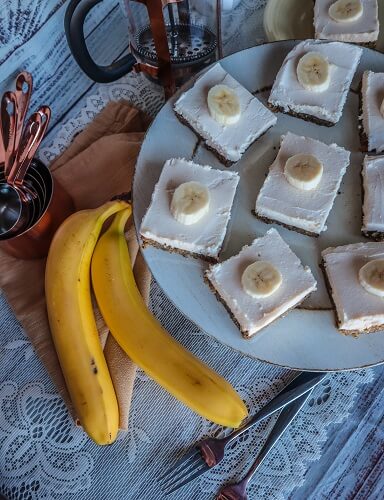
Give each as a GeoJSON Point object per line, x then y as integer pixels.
{"type": "Point", "coordinates": [245, 333]}
{"type": "Point", "coordinates": [291, 228]}
{"type": "Point", "coordinates": [371, 235]}
{"type": "Point", "coordinates": [353, 333]}
{"type": "Point", "coordinates": [302, 116]}
{"type": "Point", "coordinates": [148, 242]}
{"type": "Point", "coordinates": [221, 158]}
{"type": "Point", "coordinates": [363, 136]}
{"type": "Point", "coordinates": [368, 45]}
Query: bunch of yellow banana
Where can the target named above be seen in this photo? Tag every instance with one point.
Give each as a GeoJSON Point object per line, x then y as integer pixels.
{"type": "Point", "coordinates": [73, 252]}
{"type": "Point", "coordinates": [73, 325]}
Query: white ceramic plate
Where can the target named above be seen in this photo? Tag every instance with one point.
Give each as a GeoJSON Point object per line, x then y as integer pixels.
{"type": "Point", "coordinates": [293, 20]}
{"type": "Point", "coordinates": [305, 339]}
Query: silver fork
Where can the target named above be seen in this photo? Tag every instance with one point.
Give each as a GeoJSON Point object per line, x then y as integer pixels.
{"type": "Point", "coordinates": [210, 452]}
{"type": "Point", "coordinates": [237, 491]}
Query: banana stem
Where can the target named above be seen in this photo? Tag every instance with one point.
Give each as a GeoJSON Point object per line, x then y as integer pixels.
{"type": "Point", "coordinates": [120, 219]}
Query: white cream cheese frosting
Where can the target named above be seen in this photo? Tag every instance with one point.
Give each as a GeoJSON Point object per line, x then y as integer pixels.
{"type": "Point", "coordinates": [288, 93]}
{"type": "Point", "coordinates": [373, 184]}
{"type": "Point", "coordinates": [307, 210]}
{"type": "Point", "coordinates": [206, 236]}
{"type": "Point", "coordinates": [254, 314]}
{"type": "Point", "coordinates": [372, 92]}
{"type": "Point", "coordinates": [230, 141]}
{"type": "Point", "coordinates": [357, 309]}
{"type": "Point", "coordinates": [363, 30]}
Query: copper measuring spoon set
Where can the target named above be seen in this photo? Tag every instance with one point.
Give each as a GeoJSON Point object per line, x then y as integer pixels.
{"type": "Point", "coordinates": [26, 184]}
{"type": "Point", "coordinates": [19, 202]}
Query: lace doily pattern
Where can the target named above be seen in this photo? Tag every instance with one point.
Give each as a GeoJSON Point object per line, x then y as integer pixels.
{"type": "Point", "coordinates": [243, 26]}
{"type": "Point", "coordinates": [44, 455]}
{"type": "Point", "coordinates": [40, 447]}
{"type": "Point", "coordinates": [134, 88]}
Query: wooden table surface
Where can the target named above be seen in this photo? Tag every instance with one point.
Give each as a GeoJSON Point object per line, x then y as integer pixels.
{"type": "Point", "coordinates": [32, 38]}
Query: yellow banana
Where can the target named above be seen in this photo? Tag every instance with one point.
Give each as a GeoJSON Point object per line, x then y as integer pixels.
{"type": "Point", "coordinates": [72, 322]}
{"type": "Point", "coordinates": [145, 341]}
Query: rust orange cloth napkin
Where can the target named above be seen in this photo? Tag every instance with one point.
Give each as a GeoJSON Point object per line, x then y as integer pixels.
{"type": "Point", "coordinates": [97, 165]}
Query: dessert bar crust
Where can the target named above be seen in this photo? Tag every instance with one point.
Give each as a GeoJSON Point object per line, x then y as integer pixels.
{"type": "Point", "coordinates": [245, 333]}
{"type": "Point", "coordinates": [353, 333]}
{"type": "Point", "coordinates": [368, 45]}
{"type": "Point", "coordinates": [291, 228]}
{"type": "Point", "coordinates": [148, 242]}
{"type": "Point", "coordinates": [371, 235]}
{"type": "Point", "coordinates": [363, 136]}
{"type": "Point", "coordinates": [221, 158]}
{"type": "Point", "coordinates": [302, 116]}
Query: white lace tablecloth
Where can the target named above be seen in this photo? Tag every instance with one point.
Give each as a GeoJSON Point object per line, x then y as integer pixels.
{"type": "Point", "coordinates": [44, 456]}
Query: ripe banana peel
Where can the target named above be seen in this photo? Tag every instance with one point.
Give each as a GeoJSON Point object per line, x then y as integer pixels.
{"type": "Point", "coordinates": [72, 322]}
{"type": "Point", "coordinates": [145, 341]}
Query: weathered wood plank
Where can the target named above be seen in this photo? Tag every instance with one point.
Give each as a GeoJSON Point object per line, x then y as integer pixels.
{"type": "Point", "coordinates": [59, 82]}
{"type": "Point", "coordinates": [21, 20]}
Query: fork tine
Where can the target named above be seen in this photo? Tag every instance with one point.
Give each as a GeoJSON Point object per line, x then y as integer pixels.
{"type": "Point", "coordinates": [187, 469]}
{"type": "Point", "coordinates": [174, 486]}
{"type": "Point", "coordinates": [183, 460]}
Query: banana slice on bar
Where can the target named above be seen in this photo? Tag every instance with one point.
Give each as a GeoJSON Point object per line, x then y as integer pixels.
{"type": "Point", "coordinates": [190, 202]}
{"type": "Point", "coordinates": [371, 277]}
{"type": "Point", "coordinates": [346, 11]}
{"type": "Point", "coordinates": [261, 279]}
{"type": "Point", "coordinates": [303, 171]}
{"type": "Point", "coordinates": [223, 104]}
{"type": "Point", "coordinates": [313, 72]}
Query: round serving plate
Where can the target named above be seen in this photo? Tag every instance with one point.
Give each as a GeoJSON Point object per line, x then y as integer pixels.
{"type": "Point", "coordinates": [293, 19]}
{"type": "Point", "coordinates": [306, 339]}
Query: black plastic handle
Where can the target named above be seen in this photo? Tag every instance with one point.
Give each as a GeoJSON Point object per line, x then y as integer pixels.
{"type": "Point", "coordinates": [74, 29]}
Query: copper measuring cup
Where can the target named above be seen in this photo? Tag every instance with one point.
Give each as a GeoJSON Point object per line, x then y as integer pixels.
{"type": "Point", "coordinates": [35, 181]}
{"type": "Point", "coordinates": [34, 242]}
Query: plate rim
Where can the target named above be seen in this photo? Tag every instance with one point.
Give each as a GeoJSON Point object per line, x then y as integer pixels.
{"type": "Point", "coordinates": [137, 223]}
{"type": "Point", "coordinates": [270, 8]}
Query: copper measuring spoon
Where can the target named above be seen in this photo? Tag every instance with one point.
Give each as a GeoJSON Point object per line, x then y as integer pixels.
{"type": "Point", "coordinates": [8, 123]}
{"type": "Point", "coordinates": [18, 208]}
{"type": "Point", "coordinates": [34, 133]}
{"type": "Point", "coordinates": [24, 84]}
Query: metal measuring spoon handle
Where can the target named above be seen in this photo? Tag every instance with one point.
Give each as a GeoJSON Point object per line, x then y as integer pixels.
{"type": "Point", "coordinates": [24, 85]}
{"type": "Point", "coordinates": [45, 113]}
{"type": "Point", "coordinates": [30, 136]}
{"type": "Point", "coordinates": [8, 121]}
{"type": "Point", "coordinates": [42, 116]}
{"type": "Point", "coordinates": [2, 150]}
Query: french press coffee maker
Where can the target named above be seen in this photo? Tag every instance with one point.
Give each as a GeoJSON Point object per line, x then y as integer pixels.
{"type": "Point", "coordinates": [170, 40]}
